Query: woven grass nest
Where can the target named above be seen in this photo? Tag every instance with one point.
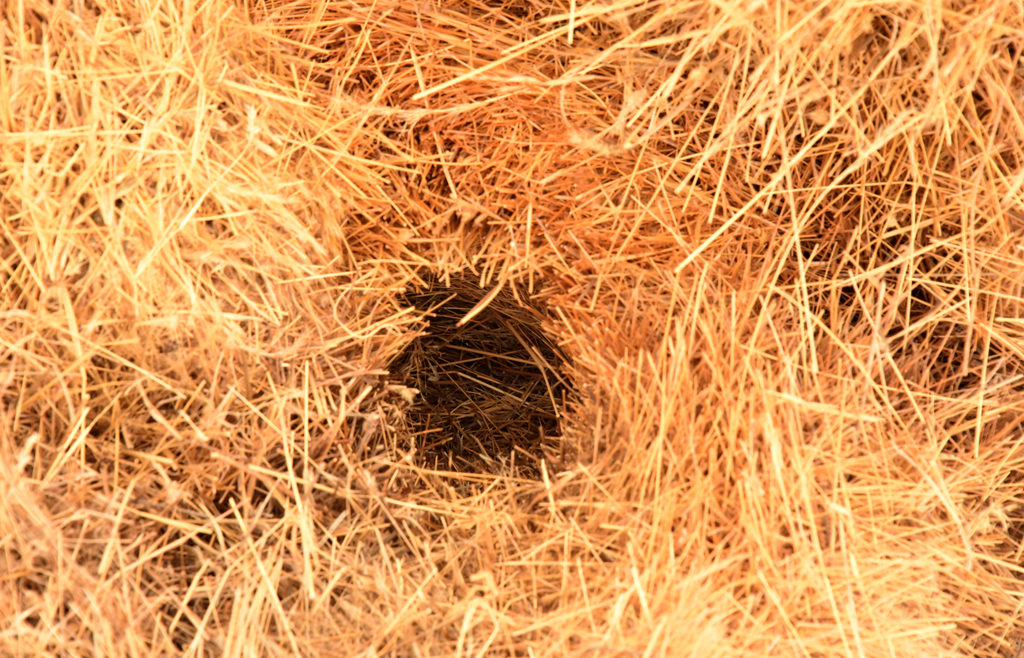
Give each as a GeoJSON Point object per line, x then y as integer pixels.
{"type": "Point", "coordinates": [271, 383]}
{"type": "Point", "coordinates": [489, 380]}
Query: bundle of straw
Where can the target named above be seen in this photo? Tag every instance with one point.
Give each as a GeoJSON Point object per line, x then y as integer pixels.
{"type": "Point", "coordinates": [574, 327]}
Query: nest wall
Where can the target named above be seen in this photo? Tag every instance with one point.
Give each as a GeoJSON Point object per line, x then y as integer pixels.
{"type": "Point", "coordinates": [766, 258]}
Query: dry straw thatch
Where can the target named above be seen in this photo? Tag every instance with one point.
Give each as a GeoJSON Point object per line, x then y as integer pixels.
{"type": "Point", "coordinates": [758, 291]}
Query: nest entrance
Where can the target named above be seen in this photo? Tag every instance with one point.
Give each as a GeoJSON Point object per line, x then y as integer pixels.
{"type": "Point", "coordinates": [491, 390]}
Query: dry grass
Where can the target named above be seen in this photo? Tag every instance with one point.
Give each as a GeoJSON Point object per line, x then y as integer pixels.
{"type": "Point", "coordinates": [780, 246]}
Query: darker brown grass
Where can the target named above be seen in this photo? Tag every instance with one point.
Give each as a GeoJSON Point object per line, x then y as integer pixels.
{"type": "Point", "coordinates": [488, 392]}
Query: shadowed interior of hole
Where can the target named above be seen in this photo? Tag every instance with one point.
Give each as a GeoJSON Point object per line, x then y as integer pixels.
{"type": "Point", "coordinates": [491, 391]}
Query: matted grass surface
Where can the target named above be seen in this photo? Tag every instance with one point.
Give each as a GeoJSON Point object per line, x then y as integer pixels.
{"type": "Point", "coordinates": [748, 275]}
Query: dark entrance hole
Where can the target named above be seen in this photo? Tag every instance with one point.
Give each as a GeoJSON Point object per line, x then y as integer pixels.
{"type": "Point", "coordinates": [491, 390]}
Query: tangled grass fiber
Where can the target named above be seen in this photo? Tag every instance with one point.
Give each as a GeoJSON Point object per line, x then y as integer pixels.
{"type": "Point", "coordinates": [754, 270]}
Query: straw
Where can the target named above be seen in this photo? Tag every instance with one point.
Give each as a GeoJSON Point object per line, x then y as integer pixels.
{"type": "Point", "coordinates": [614, 327]}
